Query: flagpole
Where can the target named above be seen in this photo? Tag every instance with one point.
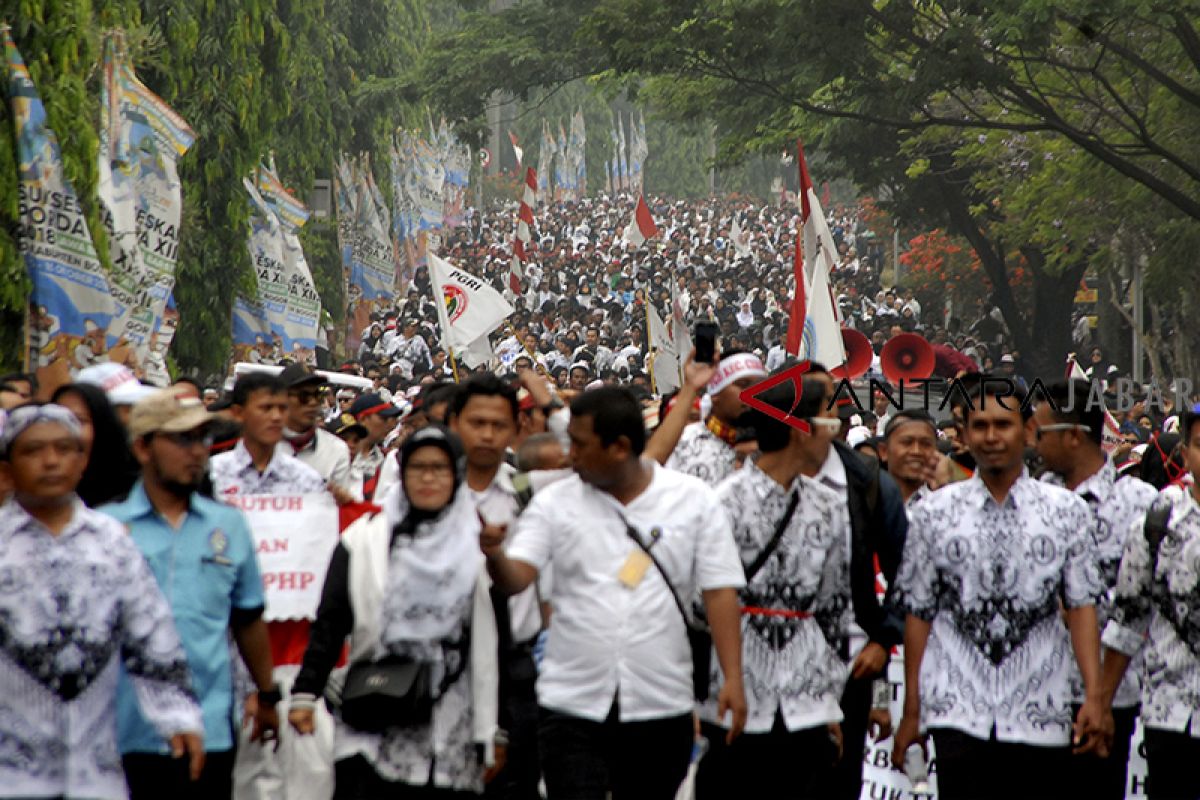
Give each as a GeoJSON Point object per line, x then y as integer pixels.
{"type": "Point", "coordinates": [649, 347]}
{"type": "Point", "coordinates": [453, 363]}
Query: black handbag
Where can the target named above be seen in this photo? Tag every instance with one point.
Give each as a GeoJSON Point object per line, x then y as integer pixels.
{"type": "Point", "coordinates": [386, 694]}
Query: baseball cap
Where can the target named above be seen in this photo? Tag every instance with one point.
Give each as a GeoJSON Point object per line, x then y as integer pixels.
{"type": "Point", "coordinates": [295, 375]}
{"type": "Point", "coordinates": [120, 385]}
{"type": "Point", "coordinates": [1007, 359]}
{"type": "Point", "coordinates": [346, 423]}
{"type": "Point", "coordinates": [371, 403]}
{"type": "Point", "coordinates": [167, 411]}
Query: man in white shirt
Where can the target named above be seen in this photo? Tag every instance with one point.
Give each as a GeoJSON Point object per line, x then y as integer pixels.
{"type": "Point", "coordinates": [305, 439]}
{"type": "Point", "coordinates": [991, 566]}
{"type": "Point", "coordinates": [1068, 440]}
{"type": "Point", "coordinates": [616, 690]}
{"type": "Point", "coordinates": [484, 413]}
{"type": "Point", "coordinates": [79, 601]}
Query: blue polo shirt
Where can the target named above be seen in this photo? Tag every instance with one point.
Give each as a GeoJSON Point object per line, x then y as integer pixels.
{"type": "Point", "coordinates": [206, 569]}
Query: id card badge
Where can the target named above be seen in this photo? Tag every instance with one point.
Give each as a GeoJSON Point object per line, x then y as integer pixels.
{"type": "Point", "coordinates": [634, 569]}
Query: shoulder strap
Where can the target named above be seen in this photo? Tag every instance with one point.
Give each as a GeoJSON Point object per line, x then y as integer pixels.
{"type": "Point", "coordinates": [632, 533]}
{"type": "Point", "coordinates": [762, 558]}
{"type": "Point", "coordinates": [1155, 530]}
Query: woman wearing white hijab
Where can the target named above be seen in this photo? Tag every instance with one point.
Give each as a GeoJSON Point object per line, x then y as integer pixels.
{"type": "Point", "coordinates": [409, 584]}
{"type": "Point", "coordinates": [745, 316]}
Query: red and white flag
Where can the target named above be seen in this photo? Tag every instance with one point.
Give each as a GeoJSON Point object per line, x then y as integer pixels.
{"type": "Point", "coordinates": [814, 330]}
{"type": "Point", "coordinates": [512, 137]}
{"type": "Point", "coordinates": [524, 235]}
{"type": "Point", "coordinates": [642, 226]}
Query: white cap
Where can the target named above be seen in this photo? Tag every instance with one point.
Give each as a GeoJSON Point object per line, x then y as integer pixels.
{"type": "Point", "coordinates": [857, 435]}
{"type": "Point", "coordinates": [122, 386]}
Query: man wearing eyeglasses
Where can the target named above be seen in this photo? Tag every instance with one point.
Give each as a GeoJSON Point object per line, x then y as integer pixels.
{"type": "Point", "coordinates": [305, 437]}
{"type": "Point", "coordinates": [1068, 440]}
{"type": "Point", "coordinates": [202, 556]}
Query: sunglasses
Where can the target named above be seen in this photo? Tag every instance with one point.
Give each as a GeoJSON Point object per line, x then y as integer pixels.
{"type": "Point", "coordinates": [308, 395]}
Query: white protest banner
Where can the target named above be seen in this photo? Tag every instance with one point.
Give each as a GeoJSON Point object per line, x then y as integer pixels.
{"type": "Point", "coordinates": [294, 537]}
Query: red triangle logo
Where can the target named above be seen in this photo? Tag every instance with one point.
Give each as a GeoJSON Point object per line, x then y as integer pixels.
{"type": "Point", "coordinates": [795, 374]}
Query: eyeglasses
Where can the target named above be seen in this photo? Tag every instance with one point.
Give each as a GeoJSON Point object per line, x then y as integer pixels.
{"type": "Point", "coordinates": [305, 396]}
{"type": "Point", "coordinates": [423, 470]}
{"type": "Point", "coordinates": [1061, 426]}
{"type": "Point", "coordinates": [190, 438]}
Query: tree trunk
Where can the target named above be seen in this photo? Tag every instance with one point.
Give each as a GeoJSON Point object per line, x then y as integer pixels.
{"type": "Point", "coordinates": [1054, 297]}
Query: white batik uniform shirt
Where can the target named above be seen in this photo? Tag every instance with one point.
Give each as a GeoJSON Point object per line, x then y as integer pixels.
{"type": "Point", "coordinates": [790, 664]}
{"type": "Point", "coordinates": [989, 578]}
{"type": "Point", "coordinates": [74, 609]}
{"type": "Point", "coordinates": [1159, 615]}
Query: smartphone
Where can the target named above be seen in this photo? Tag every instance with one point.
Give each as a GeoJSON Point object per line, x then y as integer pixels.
{"type": "Point", "coordinates": [705, 337]}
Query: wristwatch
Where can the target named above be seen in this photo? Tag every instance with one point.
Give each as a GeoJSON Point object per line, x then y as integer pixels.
{"type": "Point", "coordinates": [270, 697]}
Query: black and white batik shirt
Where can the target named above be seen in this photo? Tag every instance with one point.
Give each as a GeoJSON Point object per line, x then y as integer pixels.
{"type": "Point", "coordinates": [234, 473]}
{"type": "Point", "coordinates": [702, 455]}
{"type": "Point", "coordinates": [989, 577]}
{"type": "Point", "coordinates": [1116, 504]}
{"type": "Point", "coordinates": [1161, 616]}
{"type": "Point", "coordinates": [74, 609]}
{"type": "Point", "coordinates": [790, 664]}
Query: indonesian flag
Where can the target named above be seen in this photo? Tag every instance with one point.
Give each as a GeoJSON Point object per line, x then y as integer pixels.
{"type": "Point", "coordinates": [512, 137]}
{"type": "Point", "coordinates": [642, 226]}
{"type": "Point", "coordinates": [524, 231]}
{"type": "Point", "coordinates": [814, 332]}
{"type": "Point", "coordinates": [1110, 437]}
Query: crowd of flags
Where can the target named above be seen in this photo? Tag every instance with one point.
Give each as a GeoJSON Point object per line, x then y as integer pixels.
{"type": "Point", "coordinates": [80, 314]}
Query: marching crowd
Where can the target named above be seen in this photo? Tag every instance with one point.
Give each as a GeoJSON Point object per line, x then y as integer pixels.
{"type": "Point", "coordinates": [546, 579]}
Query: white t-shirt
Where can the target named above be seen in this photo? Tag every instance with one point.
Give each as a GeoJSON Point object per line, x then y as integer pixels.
{"type": "Point", "coordinates": [605, 636]}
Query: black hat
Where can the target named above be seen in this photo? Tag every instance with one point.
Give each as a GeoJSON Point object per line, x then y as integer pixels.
{"type": "Point", "coordinates": [371, 403]}
{"type": "Point", "coordinates": [300, 375]}
{"type": "Point", "coordinates": [346, 423]}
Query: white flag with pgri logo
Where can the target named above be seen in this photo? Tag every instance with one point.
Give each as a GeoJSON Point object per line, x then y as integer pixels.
{"type": "Point", "coordinates": [467, 306]}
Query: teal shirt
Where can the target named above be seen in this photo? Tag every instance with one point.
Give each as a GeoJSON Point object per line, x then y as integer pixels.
{"type": "Point", "coordinates": [206, 569]}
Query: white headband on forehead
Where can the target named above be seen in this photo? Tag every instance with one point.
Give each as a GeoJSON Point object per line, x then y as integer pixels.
{"type": "Point", "coordinates": [22, 417]}
{"type": "Point", "coordinates": [735, 367]}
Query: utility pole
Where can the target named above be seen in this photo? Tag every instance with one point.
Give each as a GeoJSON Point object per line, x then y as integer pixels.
{"type": "Point", "coordinates": [1139, 318]}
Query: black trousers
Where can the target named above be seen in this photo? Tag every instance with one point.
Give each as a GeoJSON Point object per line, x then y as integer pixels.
{"type": "Point", "coordinates": [522, 772]}
{"type": "Point", "coordinates": [781, 764]}
{"type": "Point", "coordinates": [355, 779]}
{"type": "Point", "coordinates": [585, 760]}
{"type": "Point", "coordinates": [977, 769]}
{"type": "Point", "coordinates": [1105, 778]}
{"type": "Point", "coordinates": [1171, 760]}
{"type": "Point", "coordinates": [844, 781]}
{"type": "Point", "coordinates": [152, 777]}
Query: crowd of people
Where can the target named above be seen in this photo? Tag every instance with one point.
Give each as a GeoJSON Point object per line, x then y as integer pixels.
{"type": "Point", "coordinates": [545, 578]}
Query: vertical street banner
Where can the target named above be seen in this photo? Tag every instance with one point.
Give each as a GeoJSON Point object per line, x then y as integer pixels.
{"type": "Point", "coordinates": [545, 159]}
{"type": "Point", "coordinates": [258, 318]}
{"type": "Point", "coordinates": [141, 140]}
{"type": "Point", "coordinates": [638, 151]}
{"type": "Point", "coordinates": [302, 314]}
{"type": "Point", "coordinates": [71, 306]}
{"type": "Point", "coordinates": [562, 185]}
{"type": "Point", "coordinates": [456, 167]}
{"type": "Point", "coordinates": [372, 279]}
{"type": "Point", "coordinates": [615, 163]}
{"type": "Point", "coordinates": [622, 158]}
{"type": "Point", "coordinates": [579, 134]}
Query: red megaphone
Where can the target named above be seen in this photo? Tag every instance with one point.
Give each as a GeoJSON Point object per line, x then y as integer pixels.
{"type": "Point", "coordinates": [859, 355]}
{"type": "Point", "coordinates": [905, 357]}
